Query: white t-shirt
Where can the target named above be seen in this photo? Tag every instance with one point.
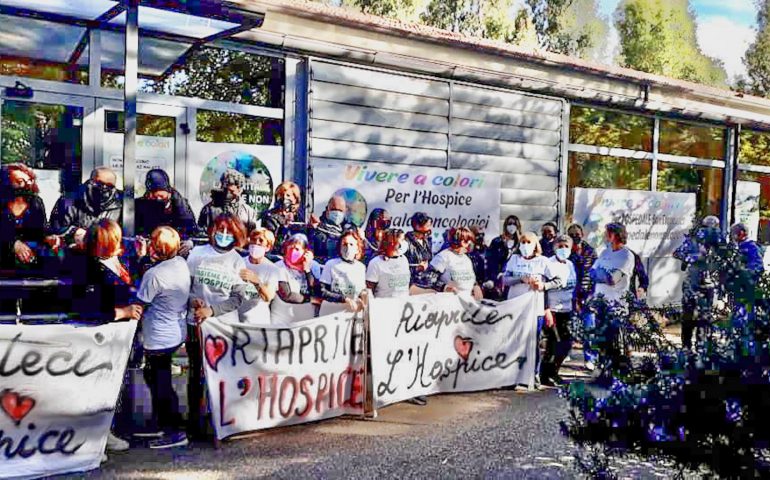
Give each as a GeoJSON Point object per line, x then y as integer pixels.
{"type": "Point", "coordinates": [455, 268]}
{"type": "Point", "coordinates": [620, 264]}
{"type": "Point", "coordinates": [391, 275]}
{"type": "Point", "coordinates": [256, 311]}
{"type": "Point", "coordinates": [560, 299]}
{"type": "Point", "coordinates": [214, 274]}
{"type": "Point", "coordinates": [346, 278]}
{"type": "Point", "coordinates": [535, 266]}
{"type": "Point", "coordinates": [284, 313]}
{"type": "Point", "coordinates": [166, 287]}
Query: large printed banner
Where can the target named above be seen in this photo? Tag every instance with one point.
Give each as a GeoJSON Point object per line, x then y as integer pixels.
{"type": "Point", "coordinates": [59, 385]}
{"type": "Point", "coordinates": [262, 377]}
{"type": "Point", "coordinates": [453, 198]}
{"type": "Point", "coordinates": [656, 221]}
{"type": "Point", "coordinates": [440, 343]}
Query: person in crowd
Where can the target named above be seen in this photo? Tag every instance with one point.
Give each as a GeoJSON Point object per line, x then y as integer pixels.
{"type": "Point", "coordinates": [95, 200]}
{"type": "Point", "coordinates": [640, 282]}
{"type": "Point", "coordinates": [698, 289]}
{"type": "Point", "coordinates": [376, 226]}
{"type": "Point", "coordinates": [344, 278]}
{"type": "Point", "coordinates": [751, 256]}
{"type": "Point", "coordinates": [529, 271]}
{"type": "Point", "coordinates": [451, 270]}
{"type": "Point", "coordinates": [165, 292]}
{"type": "Point", "coordinates": [611, 275]}
{"type": "Point", "coordinates": [750, 251]}
{"type": "Point", "coordinates": [326, 236]}
{"type": "Point", "coordinates": [560, 305]}
{"type": "Point", "coordinates": [109, 294]}
{"type": "Point", "coordinates": [263, 274]}
{"type": "Point", "coordinates": [388, 274]}
{"type": "Point", "coordinates": [548, 233]}
{"type": "Point", "coordinates": [162, 204]}
{"type": "Point", "coordinates": [583, 258]}
{"type": "Point", "coordinates": [478, 256]}
{"type": "Point", "coordinates": [228, 199]}
{"type": "Point", "coordinates": [216, 287]}
{"type": "Point", "coordinates": [497, 255]}
{"type": "Point", "coordinates": [23, 217]}
{"type": "Point", "coordinates": [284, 218]}
{"type": "Point", "coordinates": [296, 283]}
{"type": "Point", "coordinates": [420, 251]}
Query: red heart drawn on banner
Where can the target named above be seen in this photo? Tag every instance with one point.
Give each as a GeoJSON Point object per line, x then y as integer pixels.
{"type": "Point", "coordinates": [463, 346]}
{"type": "Point", "coordinates": [216, 347]}
{"type": "Point", "coordinates": [16, 406]}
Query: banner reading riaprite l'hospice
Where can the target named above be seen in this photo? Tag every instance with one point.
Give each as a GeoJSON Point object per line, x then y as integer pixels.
{"type": "Point", "coordinates": [59, 385]}
{"type": "Point", "coordinates": [263, 377]}
{"type": "Point", "coordinates": [453, 198]}
{"type": "Point", "coordinates": [656, 222]}
{"type": "Point", "coordinates": [430, 344]}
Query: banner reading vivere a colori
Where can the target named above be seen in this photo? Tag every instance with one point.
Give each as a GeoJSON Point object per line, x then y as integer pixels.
{"type": "Point", "coordinates": [59, 385]}
{"type": "Point", "coordinates": [453, 198]}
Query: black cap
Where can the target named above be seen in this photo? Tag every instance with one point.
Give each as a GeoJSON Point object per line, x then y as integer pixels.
{"type": "Point", "coordinates": [157, 179]}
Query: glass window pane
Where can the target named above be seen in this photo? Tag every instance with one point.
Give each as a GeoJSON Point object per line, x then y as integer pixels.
{"type": "Point", "coordinates": [221, 127]}
{"type": "Point", "coordinates": [85, 9]}
{"type": "Point", "coordinates": [598, 171]}
{"type": "Point", "coordinates": [705, 182]}
{"type": "Point", "coordinates": [154, 125]}
{"type": "Point", "coordinates": [764, 203]}
{"type": "Point", "coordinates": [177, 23]}
{"type": "Point", "coordinates": [156, 56]}
{"type": "Point", "coordinates": [603, 128]}
{"type": "Point", "coordinates": [755, 148]}
{"type": "Point", "coordinates": [678, 138]}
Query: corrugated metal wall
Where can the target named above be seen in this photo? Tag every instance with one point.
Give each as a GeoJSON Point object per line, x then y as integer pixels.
{"type": "Point", "coordinates": [364, 115]}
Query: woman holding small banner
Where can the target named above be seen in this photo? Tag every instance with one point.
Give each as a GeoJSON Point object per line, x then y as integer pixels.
{"type": "Point", "coordinates": [296, 283]}
{"type": "Point", "coordinates": [344, 278]}
{"type": "Point", "coordinates": [451, 270]}
{"type": "Point", "coordinates": [529, 271]}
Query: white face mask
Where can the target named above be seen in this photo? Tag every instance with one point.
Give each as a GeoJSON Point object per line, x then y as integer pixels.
{"type": "Point", "coordinates": [511, 229]}
{"type": "Point", "coordinates": [527, 249]}
{"type": "Point", "coordinates": [349, 252]}
{"type": "Point", "coordinates": [563, 253]}
{"type": "Point", "coordinates": [257, 252]}
{"type": "Point", "coordinates": [403, 247]}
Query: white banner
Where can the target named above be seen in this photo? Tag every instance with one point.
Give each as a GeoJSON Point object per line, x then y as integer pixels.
{"type": "Point", "coordinates": [444, 343]}
{"type": "Point", "coordinates": [747, 196]}
{"type": "Point", "coordinates": [151, 152]}
{"type": "Point", "coordinates": [656, 221]}
{"type": "Point", "coordinates": [58, 388]}
{"type": "Point", "coordinates": [262, 377]}
{"type": "Point", "coordinates": [453, 198]}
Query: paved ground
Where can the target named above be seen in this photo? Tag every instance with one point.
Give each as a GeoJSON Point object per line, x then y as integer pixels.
{"type": "Point", "coordinates": [496, 434]}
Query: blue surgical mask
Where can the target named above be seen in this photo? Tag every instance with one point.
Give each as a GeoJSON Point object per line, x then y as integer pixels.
{"type": "Point", "coordinates": [563, 253]}
{"type": "Point", "coordinates": [335, 217]}
{"type": "Point", "coordinates": [223, 240]}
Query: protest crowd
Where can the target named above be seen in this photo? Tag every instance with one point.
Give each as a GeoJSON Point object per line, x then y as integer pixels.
{"type": "Point", "coordinates": [282, 267]}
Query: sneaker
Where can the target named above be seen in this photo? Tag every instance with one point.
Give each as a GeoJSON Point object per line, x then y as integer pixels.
{"type": "Point", "coordinates": [590, 366]}
{"type": "Point", "coordinates": [116, 444]}
{"type": "Point", "coordinates": [170, 441]}
{"type": "Point", "coordinates": [420, 401]}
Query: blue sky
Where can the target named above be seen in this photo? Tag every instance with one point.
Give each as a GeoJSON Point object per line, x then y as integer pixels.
{"type": "Point", "coordinates": [725, 29]}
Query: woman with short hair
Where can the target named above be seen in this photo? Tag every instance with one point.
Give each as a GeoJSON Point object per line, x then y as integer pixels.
{"type": "Point", "coordinates": [263, 274]}
{"type": "Point", "coordinates": [387, 274]}
{"type": "Point", "coordinates": [296, 283]}
{"type": "Point", "coordinates": [452, 269]}
{"type": "Point", "coordinates": [344, 278]}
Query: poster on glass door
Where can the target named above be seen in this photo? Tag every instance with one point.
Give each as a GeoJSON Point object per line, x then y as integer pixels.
{"type": "Point", "coordinates": [747, 205]}
{"type": "Point", "coordinates": [151, 152]}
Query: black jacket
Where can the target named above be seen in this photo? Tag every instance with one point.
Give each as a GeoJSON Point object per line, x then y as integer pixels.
{"type": "Point", "coordinates": [85, 209]}
{"type": "Point", "coordinates": [497, 255]}
{"type": "Point", "coordinates": [419, 251]}
{"type": "Point", "coordinates": [151, 214]}
{"type": "Point", "coordinates": [30, 227]}
{"type": "Point", "coordinates": [325, 238]}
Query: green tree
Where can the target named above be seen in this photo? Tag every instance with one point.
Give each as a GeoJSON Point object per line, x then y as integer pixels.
{"type": "Point", "coordinates": [491, 19]}
{"type": "Point", "coordinates": [398, 9]}
{"type": "Point", "coordinates": [570, 27]}
{"type": "Point", "coordinates": [658, 36]}
{"type": "Point", "coordinates": [757, 58]}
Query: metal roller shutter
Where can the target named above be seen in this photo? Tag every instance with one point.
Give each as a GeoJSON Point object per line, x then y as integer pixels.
{"type": "Point", "coordinates": [363, 115]}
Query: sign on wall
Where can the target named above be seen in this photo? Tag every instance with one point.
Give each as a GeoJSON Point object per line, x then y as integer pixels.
{"type": "Point", "coordinates": [747, 196]}
{"type": "Point", "coordinates": [58, 388]}
{"type": "Point", "coordinates": [656, 222]}
{"type": "Point", "coordinates": [453, 198]}
{"type": "Point", "coordinates": [261, 164]}
{"type": "Point", "coordinates": [439, 343]}
{"type": "Point", "coordinates": [262, 377]}
{"type": "Point", "coordinates": [151, 152]}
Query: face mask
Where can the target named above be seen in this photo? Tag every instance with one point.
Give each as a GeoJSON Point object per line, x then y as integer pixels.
{"type": "Point", "coordinates": [257, 252]}
{"type": "Point", "coordinates": [335, 217]}
{"type": "Point", "coordinates": [403, 247]}
{"type": "Point", "coordinates": [563, 253]}
{"type": "Point", "coordinates": [101, 192]}
{"type": "Point", "coordinates": [349, 253]}
{"type": "Point", "coordinates": [382, 224]}
{"type": "Point", "coordinates": [510, 244]}
{"type": "Point", "coordinates": [223, 240]}
{"type": "Point", "coordinates": [575, 239]}
{"type": "Point", "coordinates": [527, 249]}
{"type": "Point", "coordinates": [295, 256]}
{"type": "Point", "coordinates": [285, 203]}
{"type": "Point", "coordinates": [511, 229]}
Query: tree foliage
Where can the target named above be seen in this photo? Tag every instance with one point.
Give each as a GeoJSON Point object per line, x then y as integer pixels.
{"type": "Point", "coordinates": [658, 36]}
{"type": "Point", "coordinates": [398, 9]}
{"type": "Point", "coordinates": [570, 27]}
{"type": "Point", "coordinates": [757, 58]}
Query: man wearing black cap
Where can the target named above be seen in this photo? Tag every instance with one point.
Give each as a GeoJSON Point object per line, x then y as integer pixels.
{"type": "Point", "coordinates": [163, 205]}
{"type": "Point", "coordinates": [228, 200]}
